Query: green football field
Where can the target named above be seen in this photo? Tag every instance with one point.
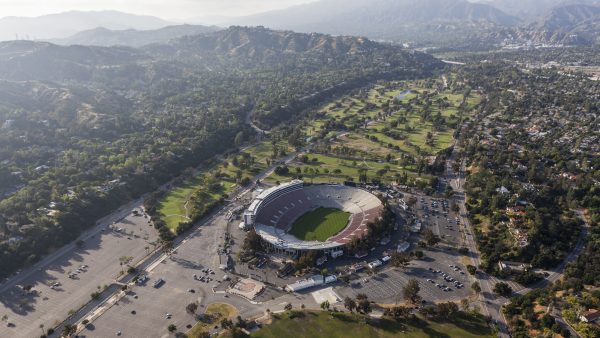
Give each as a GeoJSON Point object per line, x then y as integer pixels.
{"type": "Point", "coordinates": [320, 224]}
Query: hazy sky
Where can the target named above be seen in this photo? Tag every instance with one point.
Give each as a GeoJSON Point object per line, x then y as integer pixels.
{"type": "Point", "coordinates": [167, 9]}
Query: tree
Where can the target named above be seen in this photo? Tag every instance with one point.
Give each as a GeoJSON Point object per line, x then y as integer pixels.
{"type": "Point", "coordinates": [307, 259]}
{"type": "Point", "coordinates": [226, 324]}
{"type": "Point", "coordinates": [427, 311]}
{"type": "Point", "coordinates": [191, 308]}
{"type": "Point", "coordinates": [471, 269]}
{"type": "Point", "coordinates": [411, 291]}
{"type": "Point", "coordinates": [399, 259]}
{"type": "Point", "coordinates": [252, 242]}
{"type": "Point", "coordinates": [430, 238]}
{"type": "Point", "coordinates": [172, 328]}
{"type": "Point", "coordinates": [502, 289]}
{"type": "Point", "coordinates": [399, 312]}
{"type": "Point", "coordinates": [240, 322]}
{"type": "Point", "coordinates": [124, 260]}
{"type": "Point", "coordinates": [475, 286]}
{"type": "Point", "coordinates": [95, 295]}
{"type": "Point", "coordinates": [464, 304]}
{"type": "Point", "coordinates": [447, 310]}
{"type": "Point", "coordinates": [349, 304]}
{"type": "Point", "coordinates": [288, 307]}
{"type": "Point", "coordinates": [454, 207]}
{"type": "Point", "coordinates": [548, 321]}
{"type": "Point", "coordinates": [363, 306]}
{"type": "Point", "coordinates": [68, 330]}
{"type": "Point", "coordinates": [325, 305]}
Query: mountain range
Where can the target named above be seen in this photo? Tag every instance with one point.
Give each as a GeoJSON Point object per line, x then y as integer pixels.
{"type": "Point", "coordinates": [131, 37]}
{"type": "Point", "coordinates": [567, 25]}
{"type": "Point", "coordinates": [383, 19]}
{"type": "Point", "coordinates": [447, 23]}
{"type": "Point", "coordinates": [533, 10]}
{"type": "Point", "coordinates": [423, 23]}
{"type": "Point", "coordinates": [44, 61]}
{"type": "Point", "coordinates": [65, 24]}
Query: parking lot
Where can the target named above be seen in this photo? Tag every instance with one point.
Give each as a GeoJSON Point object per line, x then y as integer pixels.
{"type": "Point", "coordinates": [436, 214]}
{"type": "Point", "coordinates": [386, 286]}
{"type": "Point", "coordinates": [149, 309]}
{"type": "Point", "coordinates": [92, 264]}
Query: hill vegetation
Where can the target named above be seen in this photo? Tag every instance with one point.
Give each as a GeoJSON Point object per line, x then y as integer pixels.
{"type": "Point", "coordinates": [101, 36]}
{"type": "Point", "coordinates": [61, 25]}
{"type": "Point", "coordinates": [85, 129]}
{"type": "Point", "coordinates": [422, 22]}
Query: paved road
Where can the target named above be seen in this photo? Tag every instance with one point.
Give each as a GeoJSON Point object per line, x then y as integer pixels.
{"type": "Point", "coordinates": [153, 261]}
{"type": "Point", "coordinates": [100, 252]}
{"type": "Point", "coordinates": [491, 305]}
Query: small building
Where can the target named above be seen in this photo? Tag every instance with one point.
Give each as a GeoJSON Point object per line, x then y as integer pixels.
{"type": "Point", "coordinates": [590, 316]}
{"type": "Point", "coordinates": [374, 264]}
{"type": "Point", "coordinates": [305, 283]}
{"type": "Point", "coordinates": [416, 227]}
{"type": "Point", "coordinates": [403, 247]}
{"type": "Point", "coordinates": [508, 266]}
{"type": "Point", "coordinates": [330, 279]}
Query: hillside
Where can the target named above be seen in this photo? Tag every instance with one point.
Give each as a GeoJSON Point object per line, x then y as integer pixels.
{"type": "Point", "coordinates": [26, 60]}
{"type": "Point", "coordinates": [77, 119]}
{"type": "Point", "coordinates": [533, 10]}
{"type": "Point", "coordinates": [131, 37]}
{"type": "Point", "coordinates": [386, 19]}
{"type": "Point", "coordinates": [259, 43]}
{"type": "Point", "coordinates": [61, 25]}
{"type": "Point", "coordinates": [565, 25]}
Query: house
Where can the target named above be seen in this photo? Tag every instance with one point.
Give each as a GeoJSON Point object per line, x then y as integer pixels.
{"type": "Point", "coordinates": [590, 316]}
{"type": "Point", "coordinates": [503, 190]}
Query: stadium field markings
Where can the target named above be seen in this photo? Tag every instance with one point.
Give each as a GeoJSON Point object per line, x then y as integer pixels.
{"type": "Point", "coordinates": [320, 224]}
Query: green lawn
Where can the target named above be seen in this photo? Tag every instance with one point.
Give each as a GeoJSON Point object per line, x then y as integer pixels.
{"type": "Point", "coordinates": [346, 110]}
{"type": "Point", "coordinates": [343, 325]}
{"type": "Point", "coordinates": [217, 312]}
{"type": "Point", "coordinates": [348, 169]}
{"type": "Point", "coordinates": [172, 206]}
{"type": "Point", "coordinates": [320, 224]}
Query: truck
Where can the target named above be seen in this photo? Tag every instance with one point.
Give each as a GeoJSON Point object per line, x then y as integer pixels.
{"type": "Point", "coordinates": [158, 283]}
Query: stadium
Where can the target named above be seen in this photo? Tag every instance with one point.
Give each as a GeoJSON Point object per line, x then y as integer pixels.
{"type": "Point", "coordinates": [295, 217]}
